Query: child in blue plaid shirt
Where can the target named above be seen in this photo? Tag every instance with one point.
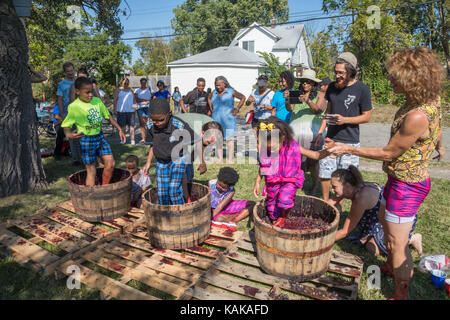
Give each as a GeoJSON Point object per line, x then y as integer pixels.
{"type": "Point", "coordinates": [164, 133]}
{"type": "Point", "coordinates": [87, 113]}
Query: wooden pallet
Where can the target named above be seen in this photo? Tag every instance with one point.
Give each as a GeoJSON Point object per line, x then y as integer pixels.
{"type": "Point", "coordinates": [118, 259]}
{"type": "Point", "coordinates": [131, 257]}
{"type": "Point", "coordinates": [237, 275]}
{"type": "Point", "coordinates": [60, 228]}
{"type": "Point", "coordinates": [110, 258]}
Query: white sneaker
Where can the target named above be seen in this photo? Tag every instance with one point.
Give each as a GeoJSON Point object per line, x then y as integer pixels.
{"type": "Point", "coordinates": [121, 142]}
{"type": "Point", "coordinates": [133, 142]}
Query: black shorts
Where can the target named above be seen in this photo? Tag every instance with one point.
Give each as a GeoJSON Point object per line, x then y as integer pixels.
{"type": "Point", "coordinates": [125, 118]}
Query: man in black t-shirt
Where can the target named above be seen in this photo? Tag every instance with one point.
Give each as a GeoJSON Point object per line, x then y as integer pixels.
{"type": "Point", "coordinates": [349, 104]}
{"type": "Point", "coordinates": [197, 100]}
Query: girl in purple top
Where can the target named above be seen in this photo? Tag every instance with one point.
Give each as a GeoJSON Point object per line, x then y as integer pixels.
{"type": "Point", "coordinates": [223, 207]}
{"type": "Point", "coordinates": [280, 162]}
{"type": "Point", "coordinates": [280, 158]}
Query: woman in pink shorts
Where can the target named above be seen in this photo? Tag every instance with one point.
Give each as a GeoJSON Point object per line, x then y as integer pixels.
{"type": "Point", "coordinates": [415, 134]}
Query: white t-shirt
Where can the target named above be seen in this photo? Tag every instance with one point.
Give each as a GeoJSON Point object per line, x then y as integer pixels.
{"type": "Point", "coordinates": [143, 94]}
{"type": "Point", "coordinates": [142, 181]}
{"type": "Point", "coordinates": [262, 113]}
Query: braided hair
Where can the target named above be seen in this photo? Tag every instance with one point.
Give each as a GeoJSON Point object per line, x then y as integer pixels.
{"type": "Point", "coordinates": [224, 80]}
{"type": "Point", "coordinates": [289, 77]}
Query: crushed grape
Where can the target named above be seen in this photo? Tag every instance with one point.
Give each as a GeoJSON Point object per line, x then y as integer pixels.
{"type": "Point", "coordinates": [305, 223]}
{"type": "Point", "coordinates": [297, 221]}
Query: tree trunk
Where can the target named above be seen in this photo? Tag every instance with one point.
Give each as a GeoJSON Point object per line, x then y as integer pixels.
{"type": "Point", "coordinates": [444, 36]}
{"type": "Point", "coordinates": [20, 165]}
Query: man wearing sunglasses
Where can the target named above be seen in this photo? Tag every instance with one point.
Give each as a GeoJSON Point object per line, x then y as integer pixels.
{"type": "Point", "coordinates": [349, 104]}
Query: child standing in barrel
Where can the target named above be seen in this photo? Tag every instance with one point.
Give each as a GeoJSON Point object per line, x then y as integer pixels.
{"type": "Point", "coordinates": [168, 136]}
{"type": "Point", "coordinates": [280, 162]}
{"type": "Point", "coordinates": [87, 113]}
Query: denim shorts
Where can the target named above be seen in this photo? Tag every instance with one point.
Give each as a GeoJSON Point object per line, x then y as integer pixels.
{"type": "Point", "coordinates": [143, 112]}
{"type": "Point", "coordinates": [328, 165]}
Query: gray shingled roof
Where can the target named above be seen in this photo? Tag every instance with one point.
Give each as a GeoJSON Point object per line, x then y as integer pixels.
{"type": "Point", "coordinates": [288, 36]}
{"type": "Point", "coordinates": [222, 55]}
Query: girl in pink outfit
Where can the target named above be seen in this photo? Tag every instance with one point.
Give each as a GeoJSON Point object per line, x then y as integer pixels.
{"type": "Point", "coordinates": [280, 160]}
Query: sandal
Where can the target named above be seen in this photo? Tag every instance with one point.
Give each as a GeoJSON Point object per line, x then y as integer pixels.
{"type": "Point", "coordinates": [142, 141]}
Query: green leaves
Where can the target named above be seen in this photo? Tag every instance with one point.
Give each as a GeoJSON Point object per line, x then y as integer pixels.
{"type": "Point", "coordinates": [156, 54]}
{"type": "Point", "coordinates": [95, 44]}
{"type": "Point", "coordinates": [201, 23]}
{"type": "Point", "coordinates": [273, 69]}
{"type": "Point", "coordinates": [372, 37]}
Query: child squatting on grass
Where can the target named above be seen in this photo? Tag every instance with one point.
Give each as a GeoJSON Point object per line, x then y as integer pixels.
{"type": "Point", "coordinates": [223, 207]}
{"type": "Point", "coordinates": [280, 162]}
{"type": "Point", "coordinates": [140, 181]}
{"type": "Point", "coordinates": [164, 134]}
{"type": "Point", "coordinates": [87, 113]}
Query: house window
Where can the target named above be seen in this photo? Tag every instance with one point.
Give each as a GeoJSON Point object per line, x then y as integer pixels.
{"type": "Point", "coordinates": [248, 45]}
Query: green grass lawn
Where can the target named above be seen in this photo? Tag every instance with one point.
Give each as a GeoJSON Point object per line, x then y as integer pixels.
{"type": "Point", "coordinates": [17, 282]}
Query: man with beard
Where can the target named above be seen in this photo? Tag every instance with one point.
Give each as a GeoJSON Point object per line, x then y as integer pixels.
{"type": "Point", "coordinates": [349, 104]}
{"type": "Point", "coordinates": [197, 100]}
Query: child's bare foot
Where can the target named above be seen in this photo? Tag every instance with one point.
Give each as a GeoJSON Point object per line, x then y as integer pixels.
{"type": "Point", "coordinates": [372, 247]}
{"type": "Point", "coordinates": [280, 222]}
{"type": "Point", "coordinates": [416, 242]}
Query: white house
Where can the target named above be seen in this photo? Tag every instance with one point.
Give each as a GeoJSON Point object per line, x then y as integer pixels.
{"type": "Point", "coordinates": [287, 43]}
{"type": "Point", "coordinates": [240, 67]}
{"type": "Point", "coordinates": [239, 62]}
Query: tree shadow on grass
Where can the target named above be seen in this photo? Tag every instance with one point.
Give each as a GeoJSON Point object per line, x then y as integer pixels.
{"type": "Point", "coordinates": [19, 283]}
{"type": "Point", "coordinates": [10, 211]}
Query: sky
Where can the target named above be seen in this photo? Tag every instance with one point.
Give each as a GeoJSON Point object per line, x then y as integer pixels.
{"type": "Point", "coordinates": [154, 16]}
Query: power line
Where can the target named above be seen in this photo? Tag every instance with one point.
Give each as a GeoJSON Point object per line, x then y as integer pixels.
{"type": "Point", "coordinates": [147, 29]}
{"type": "Point", "coordinates": [296, 14]}
{"type": "Point", "coordinates": [410, 5]}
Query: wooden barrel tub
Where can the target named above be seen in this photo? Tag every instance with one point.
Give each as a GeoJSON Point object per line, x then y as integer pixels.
{"type": "Point", "coordinates": [178, 226]}
{"type": "Point", "coordinates": [299, 255]}
{"type": "Point", "coordinates": [101, 203]}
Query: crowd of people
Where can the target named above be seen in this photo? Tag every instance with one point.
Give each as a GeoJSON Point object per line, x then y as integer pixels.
{"type": "Point", "coordinates": [315, 128]}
